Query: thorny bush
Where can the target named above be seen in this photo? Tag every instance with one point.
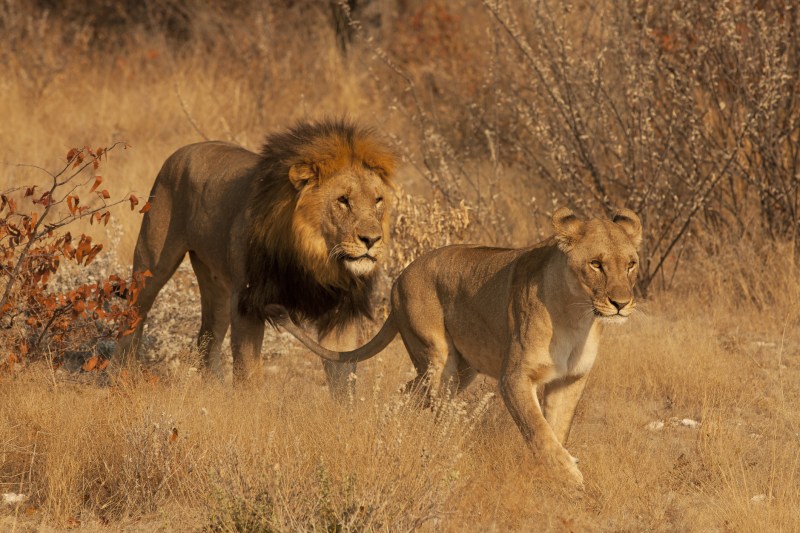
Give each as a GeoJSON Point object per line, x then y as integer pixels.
{"type": "Point", "coordinates": [685, 112]}
{"type": "Point", "coordinates": [36, 321]}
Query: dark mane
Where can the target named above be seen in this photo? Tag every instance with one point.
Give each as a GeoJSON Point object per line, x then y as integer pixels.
{"type": "Point", "coordinates": [297, 275]}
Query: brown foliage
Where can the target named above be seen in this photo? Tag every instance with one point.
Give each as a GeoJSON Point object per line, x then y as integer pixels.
{"type": "Point", "coordinates": [34, 241]}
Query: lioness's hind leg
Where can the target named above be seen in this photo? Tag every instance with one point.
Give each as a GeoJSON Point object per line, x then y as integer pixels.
{"type": "Point", "coordinates": [215, 320]}
{"type": "Point", "coordinates": [454, 383]}
{"type": "Point", "coordinates": [466, 374]}
{"type": "Point", "coordinates": [436, 361]}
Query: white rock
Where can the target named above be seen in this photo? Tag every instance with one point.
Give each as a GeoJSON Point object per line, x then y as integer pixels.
{"type": "Point", "coordinates": [758, 498]}
{"type": "Point", "coordinates": [655, 425]}
{"type": "Point", "coordinates": [764, 344]}
{"type": "Point", "coordinates": [12, 498]}
{"type": "Point", "coordinates": [689, 423]}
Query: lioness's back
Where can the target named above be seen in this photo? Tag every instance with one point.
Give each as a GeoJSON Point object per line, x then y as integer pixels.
{"type": "Point", "coordinates": [459, 270]}
{"type": "Point", "coordinates": [454, 282]}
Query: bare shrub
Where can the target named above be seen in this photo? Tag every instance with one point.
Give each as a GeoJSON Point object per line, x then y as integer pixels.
{"type": "Point", "coordinates": [655, 107]}
{"type": "Point", "coordinates": [423, 225]}
{"type": "Point", "coordinates": [684, 112]}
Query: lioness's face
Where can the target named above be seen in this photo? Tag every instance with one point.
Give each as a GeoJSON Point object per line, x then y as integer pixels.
{"type": "Point", "coordinates": [602, 255]}
{"type": "Point", "coordinates": [606, 263]}
{"type": "Point", "coordinates": [355, 218]}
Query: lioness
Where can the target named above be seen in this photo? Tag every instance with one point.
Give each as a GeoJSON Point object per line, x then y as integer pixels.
{"type": "Point", "coordinates": [303, 224]}
{"type": "Point", "coordinates": [527, 317]}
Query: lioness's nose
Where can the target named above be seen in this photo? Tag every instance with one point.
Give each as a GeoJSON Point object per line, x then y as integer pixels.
{"type": "Point", "coordinates": [369, 241]}
{"type": "Point", "coordinates": [619, 304]}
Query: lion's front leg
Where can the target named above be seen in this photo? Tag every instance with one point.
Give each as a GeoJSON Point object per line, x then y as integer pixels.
{"type": "Point", "coordinates": [340, 375]}
{"type": "Point", "coordinates": [247, 334]}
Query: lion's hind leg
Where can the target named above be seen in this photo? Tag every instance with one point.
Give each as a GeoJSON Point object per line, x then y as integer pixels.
{"type": "Point", "coordinates": [215, 318]}
{"type": "Point", "coordinates": [341, 376]}
{"type": "Point", "coordinates": [154, 255]}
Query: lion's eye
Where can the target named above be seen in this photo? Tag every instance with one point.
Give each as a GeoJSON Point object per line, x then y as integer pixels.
{"type": "Point", "coordinates": [379, 200]}
{"type": "Point", "coordinates": [597, 265]}
{"type": "Point", "coordinates": [631, 265]}
{"type": "Point", "coordinates": [344, 201]}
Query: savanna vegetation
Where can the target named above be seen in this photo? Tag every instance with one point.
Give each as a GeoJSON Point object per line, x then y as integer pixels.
{"type": "Point", "coordinates": [685, 112]}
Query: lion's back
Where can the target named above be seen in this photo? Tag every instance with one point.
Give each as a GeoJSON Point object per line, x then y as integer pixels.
{"type": "Point", "coordinates": [197, 196]}
{"type": "Point", "coordinates": [199, 182]}
{"type": "Point", "coordinates": [205, 167]}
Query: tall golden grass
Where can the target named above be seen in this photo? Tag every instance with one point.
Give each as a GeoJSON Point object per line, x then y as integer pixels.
{"type": "Point", "coordinates": [718, 343]}
{"type": "Point", "coordinates": [182, 454]}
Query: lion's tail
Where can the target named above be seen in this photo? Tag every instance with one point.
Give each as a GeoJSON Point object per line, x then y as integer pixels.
{"type": "Point", "coordinates": [379, 342]}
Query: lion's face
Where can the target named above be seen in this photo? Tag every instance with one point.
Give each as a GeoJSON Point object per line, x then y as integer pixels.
{"type": "Point", "coordinates": [350, 211]}
{"type": "Point", "coordinates": [355, 217]}
{"type": "Point", "coordinates": [602, 256]}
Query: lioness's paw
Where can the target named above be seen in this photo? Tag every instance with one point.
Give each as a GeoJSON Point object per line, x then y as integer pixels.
{"type": "Point", "coordinates": [569, 464]}
{"type": "Point", "coordinates": [575, 475]}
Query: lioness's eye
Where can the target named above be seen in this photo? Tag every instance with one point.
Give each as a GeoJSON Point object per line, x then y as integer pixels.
{"type": "Point", "coordinates": [597, 265]}
{"type": "Point", "coordinates": [378, 200]}
{"type": "Point", "coordinates": [631, 265]}
{"type": "Point", "coordinates": [344, 201]}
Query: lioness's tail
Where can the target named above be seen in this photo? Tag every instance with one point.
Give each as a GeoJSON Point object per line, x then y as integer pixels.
{"type": "Point", "coordinates": [379, 342]}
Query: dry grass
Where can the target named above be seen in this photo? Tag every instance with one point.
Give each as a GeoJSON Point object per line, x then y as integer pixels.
{"type": "Point", "coordinates": [163, 450]}
{"type": "Point", "coordinates": [181, 454]}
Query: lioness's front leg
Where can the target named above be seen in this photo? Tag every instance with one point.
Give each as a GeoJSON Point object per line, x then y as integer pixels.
{"type": "Point", "coordinates": [344, 338]}
{"type": "Point", "coordinates": [518, 383]}
{"type": "Point", "coordinates": [560, 401]}
{"type": "Point", "coordinates": [561, 396]}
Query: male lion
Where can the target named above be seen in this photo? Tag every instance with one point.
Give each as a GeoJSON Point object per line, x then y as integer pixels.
{"type": "Point", "coordinates": [303, 225]}
{"type": "Point", "coordinates": [527, 317]}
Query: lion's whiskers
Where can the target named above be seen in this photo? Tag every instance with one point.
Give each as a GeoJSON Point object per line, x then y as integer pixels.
{"type": "Point", "coordinates": [337, 252]}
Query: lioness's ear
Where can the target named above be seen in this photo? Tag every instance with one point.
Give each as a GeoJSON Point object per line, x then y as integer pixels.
{"type": "Point", "coordinates": [569, 227]}
{"type": "Point", "coordinates": [302, 173]}
{"type": "Point", "coordinates": [630, 224]}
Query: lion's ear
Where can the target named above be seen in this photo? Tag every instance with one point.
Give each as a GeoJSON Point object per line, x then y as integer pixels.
{"type": "Point", "coordinates": [381, 164]}
{"type": "Point", "coordinates": [569, 228]}
{"type": "Point", "coordinates": [302, 173]}
{"type": "Point", "coordinates": [631, 225]}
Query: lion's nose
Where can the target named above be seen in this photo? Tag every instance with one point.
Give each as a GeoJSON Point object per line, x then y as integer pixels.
{"type": "Point", "coordinates": [369, 241]}
{"type": "Point", "coordinates": [619, 304]}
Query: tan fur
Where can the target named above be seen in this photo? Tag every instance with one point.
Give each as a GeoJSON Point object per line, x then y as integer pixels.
{"type": "Point", "coordinates": [530, 318]}
{"type": "Point", "coordinates": [300, 225]}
